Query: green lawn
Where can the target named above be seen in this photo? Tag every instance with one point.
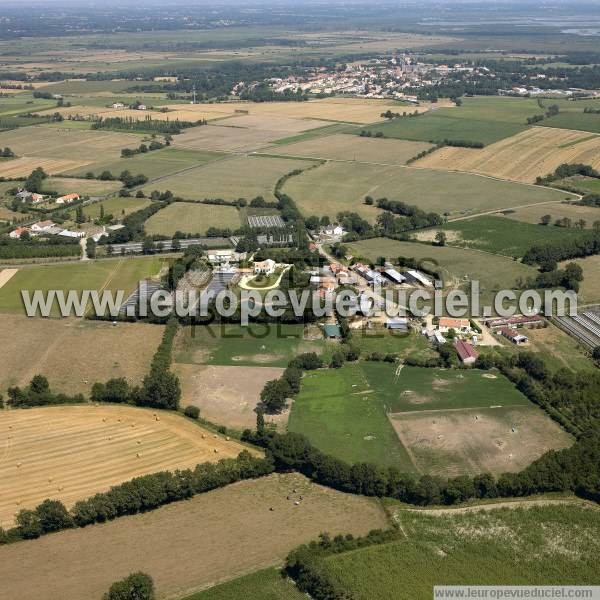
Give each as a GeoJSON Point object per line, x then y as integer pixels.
{"type": "Point", "coordinates": [389, 341]}
{"type": "Point", "coordinates": [111, 274]}
{"type": "Point", "coordinates": [154, 164]}
{"type": "Point", "coordinates": [262, 585]}
{"type": "Point", "coordinates": [342, 415]}
{"type": "Point", "coordinates": [547, 545]}
{"type": "Point", "coordinates": [83, 187]}
{"type": "Point", "coordinates": [503, 236]}
{"type": "Point", "coordinates": [439, 389]}
{"type": "Point", "coordinates": [483, 119]}
{"type": "Point", "coordinates": [456, 265]}
{"type": "Point", "coordinates": [574, 120]}
{"type": "Point", "coordinates": [272, 345]}
{"type": "Point", "coordinates": [117, 207]}
{"type": "Point", "coordinates": [192, 218]}
{"type": "Point", "coordinates": [338, 186]}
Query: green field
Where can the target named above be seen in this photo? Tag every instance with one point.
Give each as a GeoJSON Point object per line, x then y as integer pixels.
{"type": "Point", "coordinates": [503, 236]}
{"type": "Point", "coordinates": [83, 187]}
{"type": "Point", "coordinates": [117, 207]}
{"type": "Point", "coordinates": [272, 345]}
{"type": "Point", "coordinates": [342, 415]}
{"type": "Point", "coordinates": [455, 264]}
{"type": "Point", "coordinates": [585, 184]}
{"type": "Point", "coordinates": [262, 585]}
{"type": "Point", "coordinates": [192, 218]}
{"type": "Point", "coordinates": [389, 341]}
{"type": "Point", "coordinates": [335, 187]}
{"type": "Point", "coordinates": [23, 103]}
{"type": "Point", "coordinates": [484, 119]}
{"type": "Point", "coordinates": [154, 164]}
{"type": "Point", "coordinates": [545, 545]}
{"type": "Point", "coordinates": [230, 179]}
{"type": "Point", "coordinates": [574, 120]}
{"type": "Point", "coordinates": [110, 274]}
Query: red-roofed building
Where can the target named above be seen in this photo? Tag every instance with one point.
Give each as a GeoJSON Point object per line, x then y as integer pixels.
{"type": "Point", "coordinates": [466, 352]}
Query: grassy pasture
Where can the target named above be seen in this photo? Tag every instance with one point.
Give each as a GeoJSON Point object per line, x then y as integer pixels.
{"type": "Point", "coordinates": [523, 157]}
{"type": "Point", "coordinates": [238, 177]}
{"type": "Point", "coordinates": [589, 292]}
{"type": "Point", "coordinates": [492, 271]}
{"type": "Point", "coordinates": [484, 119]}
{"type": "Point", "coordinates": [354, 148]}
{"type": "Point", "coordinates": [342, 415]}
{"type": "Point", "coordinates": [23, 103]}
{"type": "Point", "coordinates": [70, 453]}
{"type": "Point", "coordinates": [110, 274]}
{"type": "Point", "coordinates": [233, 345]}
{"type": "Point", "coordinates": [585, 184]}
{"type": "Point", "coordinates": [558, 210]}
{"type": "Point", "coordinates": [157, 163]}
{"type": "Point", "coordinates": [487, 547]}
{"type": "Point", "coordinates": [118, 207]}
{"type": "Point", "coordinates": [262, 585]}
{"type": "Point", "coordinates": [335, 187]}
{"type": "Point", "coordinates": [65, 351]}
{"type": "Point", "coordinates": [83, 187]}
{"type": "Point", "coordinates": [504, 236]}
{"type": "Point", "coordinates": [192, 218]}
{"type": "Point", "coordinates": [434, 421]}
{"type": "Point", "coordinates": [212, 537]}
{"type": "Point", "coordinates": [574, 120]}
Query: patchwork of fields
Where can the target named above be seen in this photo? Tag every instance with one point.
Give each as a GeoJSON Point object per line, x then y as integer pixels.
{"type": "Point", "coordinates": [426, 420]}
{"type": "Point", "coordinates": [523, 157]}
{"type": "Point", "coordinates": [236, 177]}
{"type": "Point", "coordinates": [558, 210]}
{"type": "Point", "coordinates": [336, 186]}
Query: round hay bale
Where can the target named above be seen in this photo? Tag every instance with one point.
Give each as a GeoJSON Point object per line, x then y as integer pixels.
{"type": "Point", "coordinates": [139, 455]}
{"type": "Point", "coordinates": [133, 424]}
{"type": "Point", "coordinates": [215, 451]}
{"type": "Point", "coordinates": [227, 438]}
{"type": "Point", "coordinates": [104, 420]}
{"type": "Point", "coordinates": [19, 465]}
{"type": "Point", "coordinates": [139, 441]}
{"type": "Point", "coordinates": [215, 436]}
{"type": "Point", "coordinates": [157, 418]}
{"type": "Point", "coordinates": [203, 436]}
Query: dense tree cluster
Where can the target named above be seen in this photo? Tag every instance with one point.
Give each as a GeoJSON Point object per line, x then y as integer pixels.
{"type": "Point", "coordinates": [134, 225]}
{"type": "Point", "coordinates": [558, 250]}
{"type": "Point", "coordinates": [38, 393]}
{"type": "Point", "coordinates": [137, 586]}
{"type": "Point", "coordinates": [38, 247]}
{"type": "Point", "coordinates": [146, 125]}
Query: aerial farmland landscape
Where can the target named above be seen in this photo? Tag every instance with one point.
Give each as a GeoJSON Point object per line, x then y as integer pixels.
{"type": "Point", "coordinates": [299, 300]}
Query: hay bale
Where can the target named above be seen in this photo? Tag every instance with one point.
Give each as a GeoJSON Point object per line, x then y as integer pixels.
{"type": "Point", "coordinates": [215, 451]}
{"type": "Point", "coordinates": [139, 455]}
{"type": "Point", "coordinates": [18, 465]}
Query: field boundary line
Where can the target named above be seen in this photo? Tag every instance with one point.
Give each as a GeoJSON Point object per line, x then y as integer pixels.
{"type": "Point", "coordinates": [435, 410]}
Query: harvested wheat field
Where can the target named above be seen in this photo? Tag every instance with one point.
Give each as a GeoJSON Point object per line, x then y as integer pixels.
{"type": "Point", "coordinates": [227, 395]}
{"type": "Point", "coordinates": [73, 354]}
{"type": "Point", "coordinates": [188, 545]}
{"type": "Point", "coordinates": [522, 157]}
{"type": "Point", "coordinates": [355, 148]}
{"type": "Point", "coordinates": [22, 167]}
{"type": "Point", "coordinates": [6, 275]}
{"type": "Point", "coordinates": [71, 452]}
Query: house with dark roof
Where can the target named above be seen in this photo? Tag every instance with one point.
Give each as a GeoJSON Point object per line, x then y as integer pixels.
{"type": "Point", "coordinates": [466, 352]}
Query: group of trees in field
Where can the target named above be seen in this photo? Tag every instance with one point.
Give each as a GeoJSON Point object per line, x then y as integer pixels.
{"type": "Point", "coordinates": [38, 393]}
{"type": "Point", "coordinates": [552, 277]}
{"type": "Point", "coordinates": [133, 225]}
{"type": "Point", "coordinates": [410, 217]}
{"type": "Point", "coordinates": [552, 252]}
{"type": "Point", "coordinates": [568, 170]}
{"type": "Point", "coordinates": [35, 180]}
{"type": "Point", "coordinates": [160, 387]}
{"type": "Point", "coordinates": [144, 148]}
{"type": "Point", "coordinates": [27, 247]}
{"type": "Point", "coordinates": [135, 496]}
{"type": "Point", "coordinates": [145, 125]}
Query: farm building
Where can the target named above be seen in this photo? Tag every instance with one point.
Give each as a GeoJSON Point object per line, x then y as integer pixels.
{"type": "Point", "coordinates": [221, 257]}
{"type": "Point", "coordinates": [397, 324]}
{"type": "Point", "coordinates": [517, 321]}
{"type": "Point", "coordinates": [264, 267]}
{"type": "Point", "coordinates": [42, 226]}
{"type": "Point", "coordinates": [332, 332]}
{"type": "Point", "coordinates": [394, 276]}
{"type": "Point", "coordinates": [459, 325]}
{"type": "Point", "coordinates": [32, 197]}
{"type": "Point", "coordinates": [437, 338]}
{"type": "Point", "coordinates": [416, 277]}
{"type": "Point", "coordinates": [514, 336]}
{"type": "Point", "coordinates": [334, 230]}
{"type": "Point", "coordinates": [67, 198]}
{"type": "Point", "coordinates": [466, 352]}
{"type": "Point", "coordinates": [18, 232]}
{"type": "Point", "coordinates": [275, 239]}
